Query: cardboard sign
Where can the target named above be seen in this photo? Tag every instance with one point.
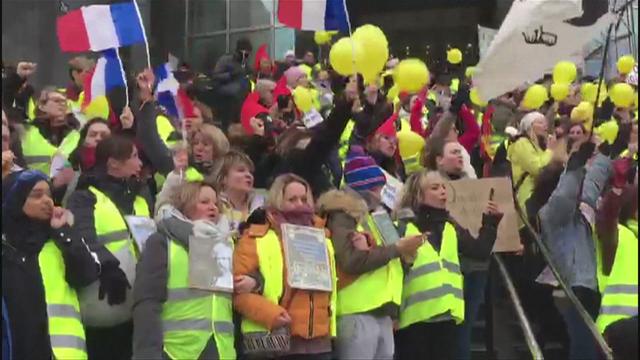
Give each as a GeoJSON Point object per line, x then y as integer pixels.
{"type": "Point", "coordinates": [467, 200]}
{"type": "Point", "coordinates": [391, 190]}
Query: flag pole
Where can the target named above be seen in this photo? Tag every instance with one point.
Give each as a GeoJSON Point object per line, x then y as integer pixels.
{"type": "Point", "coordinates": [144, 33]}
{"type": "Point", "coordinates": [353, 48]}
{"type": "Point", "coordinates": [124, 78]}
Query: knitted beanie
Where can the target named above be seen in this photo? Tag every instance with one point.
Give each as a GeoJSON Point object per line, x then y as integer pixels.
{"type": "Point", "coordinates": [361, 172]}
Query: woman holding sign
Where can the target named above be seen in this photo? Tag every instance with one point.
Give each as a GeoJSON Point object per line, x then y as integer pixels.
{"type": "Point", "coordinates": [182, 300]}
{"type": "Point", "coordinates": [432, 297]}
{"type": "Point", "coordinates": [295, 314]}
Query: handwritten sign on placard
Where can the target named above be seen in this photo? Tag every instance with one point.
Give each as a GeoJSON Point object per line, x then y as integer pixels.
{"type": "Point", "coordinates": [391, 190]}
{"type": "Point", "coordinates": [467, 200]}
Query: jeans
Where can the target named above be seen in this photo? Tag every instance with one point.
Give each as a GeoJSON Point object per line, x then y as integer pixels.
{"type": "Point", "coordinates": [474, 286]}
{"type": "Point", "coordinates": [582, 345]}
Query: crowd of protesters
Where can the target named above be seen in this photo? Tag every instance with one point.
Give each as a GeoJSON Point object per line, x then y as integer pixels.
{"type": "Point", "coordinates": [244, 160]}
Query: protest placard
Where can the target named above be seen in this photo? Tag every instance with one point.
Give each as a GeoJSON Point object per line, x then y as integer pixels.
{"type": "Point", "coordinates": [210, 263]}
{"type": "Point", "coordinates": [307, 258]}
{"type": "Point", "coordinates": [467, 200]}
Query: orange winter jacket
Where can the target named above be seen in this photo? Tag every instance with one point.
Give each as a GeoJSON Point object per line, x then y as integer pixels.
{"type": "Point", "coordinates": [309, 310]}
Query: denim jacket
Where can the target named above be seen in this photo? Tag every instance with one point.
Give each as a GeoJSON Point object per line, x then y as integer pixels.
{"type": "Point", "coordinates": [566, 222]}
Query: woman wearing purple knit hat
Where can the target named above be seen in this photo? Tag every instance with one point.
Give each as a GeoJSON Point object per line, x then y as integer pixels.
{"type": "Point", "coordinates": [368, 262]}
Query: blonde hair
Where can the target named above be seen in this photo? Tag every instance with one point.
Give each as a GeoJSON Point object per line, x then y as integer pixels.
{"type": "Point", "coordinates": [276, 192]}
{"type": "Point", "coordinates": [220, 142]}
{"type": "Point", "coordinates": [413, 189]}
{"type": "Point", "coordinates": [229, 160]}
{"type": "Point", "coordinates": [186, 195]}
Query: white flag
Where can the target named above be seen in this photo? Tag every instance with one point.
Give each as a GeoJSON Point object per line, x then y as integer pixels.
{"type": "Point", "coordinates": [535, 35]}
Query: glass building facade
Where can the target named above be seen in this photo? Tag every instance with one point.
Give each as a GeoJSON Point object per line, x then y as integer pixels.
{"type": "Point", "coordinates": [212, 28]}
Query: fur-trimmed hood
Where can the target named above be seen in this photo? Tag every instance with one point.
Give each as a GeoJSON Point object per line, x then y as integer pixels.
{"type": "Point", "coordinates": [340, 200]}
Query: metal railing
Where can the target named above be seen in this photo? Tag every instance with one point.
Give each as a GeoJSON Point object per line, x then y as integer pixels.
{"type": "Point", "coordinates": [530, 338]}
{"type": "Point", "coordinates": [584, 315]}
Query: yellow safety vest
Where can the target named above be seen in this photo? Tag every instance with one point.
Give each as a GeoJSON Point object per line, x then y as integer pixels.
{"type": "Point", "coordinates": [344, 139]}
{"type": "Point", "coordinates": [111, 228]}
{"type": "Point", "coordinates": [66, 331]}
{"type": "Point", "coordinates": [433, 285]}
{"type": "Point", "coordinates": [190, 316]}
{"type": "Point", "coordinates": [455, 85]}
{"type": "Point", "coordinates": [271, 266]}
{"type": "Point", "coordinates": [112, 233]}
{"type": "Point", "coordinates": [97, 108]}
{"type": "Point", "coordinates": [620, 296]}
{"type": "Point", "coordinates": [375, 288]}
{"type": "Point", "coordinates": [38, 151]}
{"type": "Point", "coordinates": [165, 129]}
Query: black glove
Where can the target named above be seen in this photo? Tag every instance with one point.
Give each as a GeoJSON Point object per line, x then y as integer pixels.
{"type": "Point", "coordinates": [113, 284]}
{"type": "Point", "coordinates": [580, 157]}
{"type": "Point", "coordinates": [461, 98]}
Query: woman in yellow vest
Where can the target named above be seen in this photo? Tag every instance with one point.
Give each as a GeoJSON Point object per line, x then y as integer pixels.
{"type": "Point", "coordinates": [305, 317]}
{"type": "Point", "coordinates": [238, 198]}
{"type": "Point", "coordinates": [53, 131]}
{"type": "Point", "coordinates": [528, 155]}
{"type": "Point", "coordinates": [432, 294]}
{"type": "Point", "coordinates": [173, 319]}
{"type": "Point", "coordinates": [104, 196]}
{"type": "Point", "coordinates": [44, 262]}
{"type": "Point", "coordinates": [617, 230]}
{"type": "Point", "coordinates": [368, 263]}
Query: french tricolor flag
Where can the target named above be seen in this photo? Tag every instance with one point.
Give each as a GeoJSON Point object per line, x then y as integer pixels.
{"type": "Point", "coordinates": [100, 27]}
{"type": "Point", "coordinates": [107, 74]}
{"type": "Point", "coordinates": [314, 15]}
{"type": "Point", "coordinates": [169, 95]}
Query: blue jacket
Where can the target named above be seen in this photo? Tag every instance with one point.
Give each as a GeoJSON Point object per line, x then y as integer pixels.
{"type": "Point", "coordinates": [565, 228]}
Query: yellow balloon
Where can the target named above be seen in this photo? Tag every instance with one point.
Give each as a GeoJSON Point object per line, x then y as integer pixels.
{"type": "Point", "coordinates": [559, 91]}
{"type": "Point", "coordinates": [535, 97]}
{"type": "Point", "coordinates": [469, 71]}
{"type": "Point", "coordinates": [375, 51]}
{"type": "Point", "coordinates": [393, 93]}
{"type": "Point", "coordinates": [589, 92]}
{"type": "Point", "coordinates": [322, 37]}
{"type": "Point", "coordinates": [409, 143]}
{"type": "Point", "coordinates": [583, 113]}
{"type": "Point", "coordinates": [411, 75]}
{"type": "Point", "coordinates": [475, 98]}
{"type": "Point", "coordinates": [454, 56]}
{"type": "Point", "coordinates": [564, 72]}
{"type": "Point", "coordinates": [302, 98]}
{"type": "Point", "coordinates": [625, 64]}
{"type": "Point", "coordinates": [342, 54]}
{"type": "Point", "coordinates": [622, 95]}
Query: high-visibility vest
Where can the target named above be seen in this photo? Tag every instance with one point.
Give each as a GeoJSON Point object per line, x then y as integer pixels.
{"type": "Point", "coordinates": [113, 234]}
{"type": "Point", "coordinates": [66, 331]}
{"type": "Point", "coordinates": [374, 288]}
{"type": "Point", "coordinates": [620, 296]}
{"type": "Point", "coordinates": [38, 151]}
{"type": "Point", "coordinates": [271, 265]}
{"type": "Point", "coordinates": [433, 285]}
{"type": "Point", "coordinates": [455, 85]}
{"type": "Point", "coordinates": [165, 129]}
{"type": "Point", "coordinates": [344, 139]}
{"type": "Point", "coordinates": [190, 316]}
{"type": "Point", "coordinates": [97, 108]}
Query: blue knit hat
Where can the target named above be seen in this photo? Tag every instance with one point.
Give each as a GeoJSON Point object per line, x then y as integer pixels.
{"type": "Point", "coordinates": [361, 172]}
